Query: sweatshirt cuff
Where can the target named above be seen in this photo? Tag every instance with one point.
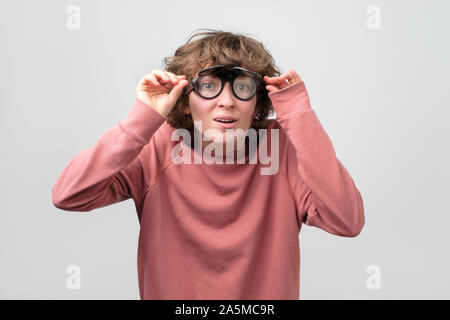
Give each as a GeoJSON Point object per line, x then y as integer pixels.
{"type": "Point", "coordinates": [290, 100]}
{"type": "Point", "coordinates": [142, 121]}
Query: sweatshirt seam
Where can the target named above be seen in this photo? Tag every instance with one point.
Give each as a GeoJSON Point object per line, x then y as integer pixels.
{"type": "Point", "coordinates": [291, 191]}
{"type": "Point", "coordinates": [135, 136]}
{"type": "Point", "coordinates": [157, 179]}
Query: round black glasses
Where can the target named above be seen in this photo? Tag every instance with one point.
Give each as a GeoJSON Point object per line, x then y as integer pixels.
{"type": "Point", "coordinates": [210, 82]}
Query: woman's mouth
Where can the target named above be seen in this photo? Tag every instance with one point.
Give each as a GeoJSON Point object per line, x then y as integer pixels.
{"type": "Point", "coordinates": [226, 122]}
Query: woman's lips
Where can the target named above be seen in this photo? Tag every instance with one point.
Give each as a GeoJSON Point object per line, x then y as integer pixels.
{"type": "Point", "coordinates": [226, 124]}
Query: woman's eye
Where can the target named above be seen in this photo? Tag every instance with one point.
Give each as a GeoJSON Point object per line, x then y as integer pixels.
{"type": "Point", "coordinates": [243, 87]}
{"type": "Point", "coordinates": [207, 85]}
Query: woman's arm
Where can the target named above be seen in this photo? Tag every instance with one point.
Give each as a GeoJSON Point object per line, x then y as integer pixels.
{"type": "Point", "coordinates": [326, 195]}
{"type": "Point", "coordinates": [111, 170]}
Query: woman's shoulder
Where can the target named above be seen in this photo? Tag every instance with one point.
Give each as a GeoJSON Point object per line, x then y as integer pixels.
{"type": "Point", "coordinates": [275, 134]}
{"type": "Point", "coordinates": [274, 125]}
{"type": "Point", "coordinates": [157, 151]}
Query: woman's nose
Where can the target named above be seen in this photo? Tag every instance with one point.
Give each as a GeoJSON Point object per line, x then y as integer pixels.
{"type": "Point", "coordinates": [226, 96]}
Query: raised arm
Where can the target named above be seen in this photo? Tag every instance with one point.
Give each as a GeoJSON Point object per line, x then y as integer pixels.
{"type": "Point", "coordinates": [111, 170]}
{"type": "Point", "coordinates": [325, 193]}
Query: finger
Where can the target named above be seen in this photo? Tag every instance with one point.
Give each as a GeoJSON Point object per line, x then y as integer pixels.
{"type": "Point", "coordinates": [162, 75]}
{"type": "Point", "coordinates": [267, 79]}
{"type": "Point", "coordinates": [156, 81]}
{"type": "Point", "coordinates": [176, 90]}
{"type": "Point", "coordinates": [279, 79]}
{"type": "Point", "coordinates": [284, 84]}
{"type": "Point", "coordinates": [272, 80]}
{"type": "Point", "coordinates": [164, 81]}
{"type": "Point", "coordinates": [271, 88]}
{"type": "Point", "coordinates": [285, 76]}
{"type": "Point", "coordinates": [286, 81]}
{"type": "Point", "coordinates": [151, 78]}
{"type": "Point", "coordinates": [278, 82]}
{"type": "Point", "coordinates": [162, 78]}
{"type": "Point", "coordinates": [295, 76]}
{"type": "Point", "coordinates": [172, 77]}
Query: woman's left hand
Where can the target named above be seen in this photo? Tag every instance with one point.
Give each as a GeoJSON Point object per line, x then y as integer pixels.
{"type": "Point", "coordinates": [283, 81]}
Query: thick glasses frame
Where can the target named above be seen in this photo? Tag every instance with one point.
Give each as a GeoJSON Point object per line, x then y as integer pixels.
{"type": "Point", "coordinates": [228, 76]}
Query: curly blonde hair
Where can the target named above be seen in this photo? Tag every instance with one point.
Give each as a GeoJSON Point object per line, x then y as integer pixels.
{"type": "Point", "coordinates": [225, 48]}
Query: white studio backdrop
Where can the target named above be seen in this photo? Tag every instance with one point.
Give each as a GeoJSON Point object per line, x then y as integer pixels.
{"type": "Point", "coordinates": [377, 76]}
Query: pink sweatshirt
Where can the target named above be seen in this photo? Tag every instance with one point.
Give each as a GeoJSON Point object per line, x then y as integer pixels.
{"type": "Point", "coordinates": [218, 231]}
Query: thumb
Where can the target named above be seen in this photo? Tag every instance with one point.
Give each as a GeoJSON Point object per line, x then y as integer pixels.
{"type": "Point", "coordinates": [176, 90]}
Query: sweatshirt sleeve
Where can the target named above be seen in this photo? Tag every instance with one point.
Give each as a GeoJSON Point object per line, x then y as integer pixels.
{"type": "Point", "coordinates": [111, 170]}
{"type": "Point", "coordinates": [325, 194]}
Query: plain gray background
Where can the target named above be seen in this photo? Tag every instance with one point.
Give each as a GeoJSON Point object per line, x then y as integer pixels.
{"type": "Point", "coordinates": [382, 96]}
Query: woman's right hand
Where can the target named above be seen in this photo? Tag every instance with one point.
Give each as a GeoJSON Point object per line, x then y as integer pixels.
{"type": "Point", "coordinates": [160, 90]}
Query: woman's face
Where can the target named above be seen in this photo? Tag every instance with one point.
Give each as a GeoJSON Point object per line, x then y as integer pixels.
{"type": "Point", "coordinates": [205, 111]}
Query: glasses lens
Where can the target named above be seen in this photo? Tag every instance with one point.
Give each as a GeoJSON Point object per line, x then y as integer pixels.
{"type": "Point", "coordinates": [208, 85]}
{"type": "Point", "coordinates": [244, 86]}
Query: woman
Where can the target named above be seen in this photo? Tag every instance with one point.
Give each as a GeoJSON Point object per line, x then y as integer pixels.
{"type": "Point", "coordinates": [211, 230]}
